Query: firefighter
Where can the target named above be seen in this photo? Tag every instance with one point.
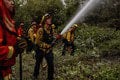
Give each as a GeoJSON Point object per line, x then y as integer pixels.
{"type": "Point", "coordinates": [32, 36]}
{"type": "Point", "coordinates": [10, 45]}
{"type": "Point", "coordinates": [44, 39]}
{"type": "Point", "coordinates": [32, 31]}
{"type": "Point", "coordinates": [68, 40]}
{"type": "Point", "coordinates": [20, 29]}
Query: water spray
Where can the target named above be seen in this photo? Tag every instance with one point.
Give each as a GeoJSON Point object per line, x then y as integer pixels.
{"type": "Point", "coordinates": [63, 2]}
{"type": "Point", "coordinates": [90, 5]}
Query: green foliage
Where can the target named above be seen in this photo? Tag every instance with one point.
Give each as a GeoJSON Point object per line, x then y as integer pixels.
{"type": "Point", "coordinates": [92, 44]}
{"type": "Point", "coordinates": [106, 14]}
{"type": "Point", "coordinates": [108, 73]}
{"type": "Point", "coordinates": [97, 41]}
{"type": "Point", "coordinates": [97, 48]}
{"type": "Point", "coordinates": [34, 10]}
{"type": "Point", "coordinates": [96, 56]}
{"type": "Point", "coordinates": [28, 10]}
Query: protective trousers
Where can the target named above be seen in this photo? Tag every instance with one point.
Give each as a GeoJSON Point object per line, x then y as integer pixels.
{"type": "Point", "coordinates": [49, 58]}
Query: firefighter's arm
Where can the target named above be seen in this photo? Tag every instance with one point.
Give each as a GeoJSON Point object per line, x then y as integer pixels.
{"type": "Point", "coordinates": [72, 37]}
{"type": "Point", "coordinates": [31, 35]}
{"type": "Point", "coordinates": [28, 36]}
{"type": "Point", "coordinates": [18, 31]}
{"type": "Point", "coordinates": [54, 31]}
{"type": "Point", "coordinates": [64, 35]}
{"type": "Point", "coordinates": [39, 41]}
{"type": "Point", "coordinates": [6, 52]}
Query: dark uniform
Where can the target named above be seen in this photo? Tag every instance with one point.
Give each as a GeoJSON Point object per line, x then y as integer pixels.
{"type": "Point", "coordinates": [44, 39]}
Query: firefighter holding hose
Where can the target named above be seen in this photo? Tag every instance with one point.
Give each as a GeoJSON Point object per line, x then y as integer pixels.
{"type": "Point", "coordinates": [44, 38]}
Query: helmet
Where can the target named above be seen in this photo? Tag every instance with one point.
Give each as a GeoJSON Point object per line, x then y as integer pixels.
{"type": "Point", "coordinates": [33, 23]}
{"type": "Point", "coordinates": [45, 17]}
{"type": "Point", "coordinates": [75, 25]}
{"type": "Point", "coordinates": [22, 24]}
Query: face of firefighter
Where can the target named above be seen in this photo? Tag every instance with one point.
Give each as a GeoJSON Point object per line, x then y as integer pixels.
{"type": "Point", "coordinates": [34, 25]}
{"type": "Point", "coordinates": [9, 5]}
{"type": "Point", "coordinates": [49, 21]}
{"type": "Point", "coordinates": [70, 29]}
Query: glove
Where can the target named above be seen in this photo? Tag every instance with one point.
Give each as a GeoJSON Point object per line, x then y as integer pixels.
{"type": "Point", "coordinates": [21, 44]}
{"type": "Point", "coordinates": [58, 36]}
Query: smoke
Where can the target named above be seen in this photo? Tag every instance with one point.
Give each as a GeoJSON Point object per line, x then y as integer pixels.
{"type": "Point", "coordinates": [90, 5]}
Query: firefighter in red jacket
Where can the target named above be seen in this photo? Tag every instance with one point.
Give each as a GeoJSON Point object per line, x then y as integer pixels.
{"type": "Point", "coordinates": [9, 46]}
{"type": "Point", "coordinates": [20, 29]}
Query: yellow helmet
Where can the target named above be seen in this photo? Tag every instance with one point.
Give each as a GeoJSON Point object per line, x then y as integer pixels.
{"type": "Point", "coordinates": [75, 25]}
{"type": "Point", "coordinates": [46, 16]}
{"type": "Point", "coordinates": [33, 23]}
